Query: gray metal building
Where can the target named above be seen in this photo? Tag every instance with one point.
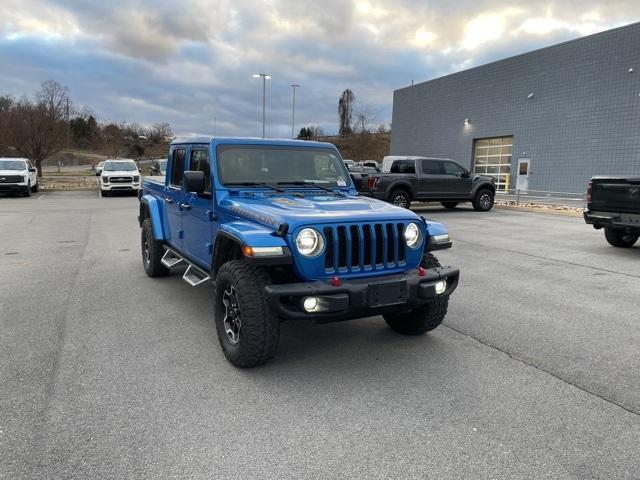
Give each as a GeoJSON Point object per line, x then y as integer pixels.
{"type": "Point", "coordinates": [546, 120]}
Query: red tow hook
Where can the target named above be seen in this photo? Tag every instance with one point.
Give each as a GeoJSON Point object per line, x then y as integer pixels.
{"type": "Point", "coordinates": [421, 271]}
{"type": "Point", "coordinates": [335, 281]}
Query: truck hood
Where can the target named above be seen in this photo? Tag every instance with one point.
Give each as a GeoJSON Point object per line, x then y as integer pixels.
{"type": "Point", "coordinates": [120, 173]}
{"type": "Point", "coordinates": [274, 210]}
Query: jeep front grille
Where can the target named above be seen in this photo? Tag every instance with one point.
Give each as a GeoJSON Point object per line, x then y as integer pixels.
{"type": "Point", "coordinates": [359, 247]}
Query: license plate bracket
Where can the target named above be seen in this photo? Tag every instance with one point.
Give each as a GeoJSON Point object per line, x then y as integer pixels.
{"type": "Point", "coordinates": [390, 293]}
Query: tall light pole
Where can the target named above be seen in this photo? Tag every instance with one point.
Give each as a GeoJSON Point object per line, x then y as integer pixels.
{"type": "Point", "coordinates": [264, 77]}
{"type": "Point", "coordinates": [293, 110]}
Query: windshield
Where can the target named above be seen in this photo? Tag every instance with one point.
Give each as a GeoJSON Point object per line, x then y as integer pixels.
{"type": "Point", "coordinates": [274, 164]}
{"type": "Point", "coordinates": [12, 165]}
{"type": "Point", "coordinates": [120, 166]}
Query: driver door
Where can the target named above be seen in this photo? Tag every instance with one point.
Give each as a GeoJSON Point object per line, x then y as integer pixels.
{"type": "Point", "coordinates": [198, 212]}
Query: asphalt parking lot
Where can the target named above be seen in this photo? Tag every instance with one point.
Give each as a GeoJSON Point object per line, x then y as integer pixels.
{"type": "Point", "coordinates": [107, 373]}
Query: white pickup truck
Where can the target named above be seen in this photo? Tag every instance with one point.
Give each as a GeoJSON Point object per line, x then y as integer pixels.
{"type": "Point", "coordinates": [18, 175]}
{"type": "Point", "coordinates": [119, 175]}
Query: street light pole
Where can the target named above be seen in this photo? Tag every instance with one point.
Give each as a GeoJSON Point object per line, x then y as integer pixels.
{"type": "Point", "coordinates": [264, 77]}
{"type": "Point", "coordinates": [293, 110]}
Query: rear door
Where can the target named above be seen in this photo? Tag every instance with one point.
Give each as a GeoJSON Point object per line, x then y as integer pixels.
{"type": "Point", "coordinates": [429, 178]}
{"type": "Point", "coordinates": [197, 211]}
{"type": "Point", "coordinates": [173, 196]}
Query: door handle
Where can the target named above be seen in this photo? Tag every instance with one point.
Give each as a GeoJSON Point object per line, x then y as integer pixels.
{"type": "Point", "coordinates": [184, 206]}
{"type": "Point", "coordinates": [168, 199]}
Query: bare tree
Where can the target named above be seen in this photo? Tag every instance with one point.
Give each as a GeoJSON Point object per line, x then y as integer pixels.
{"type": "Point", "coordinates": [55, 97]}
{"type": "Point", "coordinates": [345, 111]}
{"type": "Point", "coordinates": [159, 133]}
{"type": "Point", "coordinates": [36, 131]}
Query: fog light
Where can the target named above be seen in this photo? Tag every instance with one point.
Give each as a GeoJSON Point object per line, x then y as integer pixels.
{"type": "Point", "coordinates": [310, 304]}
{"type": "Point", "coordinates": [441, 286]}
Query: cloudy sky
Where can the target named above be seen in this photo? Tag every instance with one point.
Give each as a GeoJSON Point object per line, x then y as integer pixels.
{"type": "Point", "coordinates": [190, 62]}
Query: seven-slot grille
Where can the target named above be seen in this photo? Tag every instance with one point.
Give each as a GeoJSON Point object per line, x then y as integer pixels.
{"type": "Point", "coordinates": [11, 179]}
{"type": "Point", "coordinates": [120, 179]}
{"type": "Point", "coordinates": [356, 247]}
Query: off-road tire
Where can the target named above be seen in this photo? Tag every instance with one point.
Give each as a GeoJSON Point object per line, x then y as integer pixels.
{"type": "Point", "coordinates": [618, 238]}
{"type": "Point", "coordinates": [484, 200]}
{"type": "Point", "coordinates": [35, 188]}
{"type": "Point", "coordinates": [27, 192]}
{"type": "Point", "coordinates": [425, 318]}
{"type": "Point", "coordinates": [259, 331]}
{"type": "Point", "coordinates": [152, 252]}
{"type": "Point", "coordinates": [400, 198]}
{"type": "Point", "coordinates": [450, 204]}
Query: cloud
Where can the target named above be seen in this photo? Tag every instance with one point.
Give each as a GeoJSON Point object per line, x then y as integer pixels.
{"type": "Point", "coordinates": [190, 62]}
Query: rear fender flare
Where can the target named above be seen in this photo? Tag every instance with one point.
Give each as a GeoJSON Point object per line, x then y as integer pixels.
{"type": "Point", "coordinates": [150, 208]}
{"type": "Point", "coordinates": [401, 185]}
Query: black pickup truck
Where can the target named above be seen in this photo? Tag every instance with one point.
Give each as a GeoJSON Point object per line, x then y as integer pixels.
{"type": "Point", "coordinates": [614, 204]}
{"type": "Point", "coordinates": [429, 180]}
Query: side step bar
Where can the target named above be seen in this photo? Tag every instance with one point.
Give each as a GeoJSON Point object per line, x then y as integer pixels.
{"type": "Point", "coordinates": [193, 275]}
{"type": "Point", "coordinates": [171, 259]}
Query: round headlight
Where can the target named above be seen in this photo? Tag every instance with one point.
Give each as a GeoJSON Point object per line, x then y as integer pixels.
{"type": "Point", "coordinates": [412, 235]}
{"type": "Point", "coordinates": [309, 242]}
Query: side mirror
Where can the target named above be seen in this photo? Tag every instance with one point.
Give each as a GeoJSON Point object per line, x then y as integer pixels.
{"type": "Point", "coordinates": [98, 173]}
{"type": "Point", "coordinates": [194, 182]}
{"type": "Point", "coordinates": [466, 174]}
{"type": "Point", "coordinates": [32, 170]}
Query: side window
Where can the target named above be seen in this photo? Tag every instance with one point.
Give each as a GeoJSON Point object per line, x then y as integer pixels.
{"type": "Point", "coordinates": [200, 163]}
{"type": "Point", "coordinates": [403, 166]}
{"type": "Point", "coordinates": [451, 168]}
{"type": "Point", "coordinates": [431, 167]}
{"type": "Point", "coordinates": [177, 167]}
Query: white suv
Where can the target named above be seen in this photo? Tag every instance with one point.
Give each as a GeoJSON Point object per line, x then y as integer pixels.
{"type": "Point", "coordinates": [120, 175]}
{"type": "Point", "coordinates": [18, 175]}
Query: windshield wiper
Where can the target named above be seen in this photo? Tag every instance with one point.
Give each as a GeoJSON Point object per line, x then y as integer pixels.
{"type": "Point", "coordinates": [311, 184]}
{"type": "Point", "coordinates": [254, 184]}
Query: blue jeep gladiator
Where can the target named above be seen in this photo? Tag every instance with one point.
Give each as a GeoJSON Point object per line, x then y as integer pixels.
{"type": "Point", "coordinates": [279, 228]}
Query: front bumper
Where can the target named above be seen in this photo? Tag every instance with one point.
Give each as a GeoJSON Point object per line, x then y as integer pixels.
{"type": "Point", "coordinates": [363, 297]}
{"type": "Point", "coordinates": [112, 187]}
{"type": "Point", "coordinates": [13, 187]}
{"type": "Point", "coordinates": [612, 220]}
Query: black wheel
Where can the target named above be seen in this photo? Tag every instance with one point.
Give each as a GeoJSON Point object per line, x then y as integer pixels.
{"type": "Point", "coordinates": [400, 198]}
{"type": "Point", "coordinates": [152, 252]}
{"type": "Point", "coordinates": [449, 204]}
{"type": "Point", "coordinates": [27, 192]}
{"type": "Point", "coordinates": [422, 319]}
{"type": "Point", "coordinates": [483, 202]}
{"type": "Point", "coordinates": [618, 238]}
{"type": "Point", "coordinates": [104, 193]}
{"type": "Point", "coordinates": [247, 328]}
{"type": "Point", "coordinates": [35, 188]}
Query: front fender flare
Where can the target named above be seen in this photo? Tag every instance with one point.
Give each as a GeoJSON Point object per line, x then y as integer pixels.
{"type": "Point", "coordinates": [251, 234]}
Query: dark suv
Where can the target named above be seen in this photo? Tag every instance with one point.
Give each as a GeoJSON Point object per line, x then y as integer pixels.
{"type": "Point", "coordinates": [429, 180]}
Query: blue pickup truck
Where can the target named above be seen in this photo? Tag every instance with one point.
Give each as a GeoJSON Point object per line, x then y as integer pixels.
{"type": "Point", "coordinates": [280, 230]}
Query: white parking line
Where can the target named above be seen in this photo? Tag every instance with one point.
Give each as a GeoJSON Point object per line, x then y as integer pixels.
{"type": "Point", "coordinates": [40, 197]}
